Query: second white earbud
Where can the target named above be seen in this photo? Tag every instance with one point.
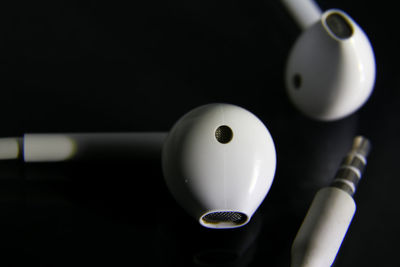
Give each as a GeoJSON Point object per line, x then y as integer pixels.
{"type": "Point", "coordinates": [330, 71]}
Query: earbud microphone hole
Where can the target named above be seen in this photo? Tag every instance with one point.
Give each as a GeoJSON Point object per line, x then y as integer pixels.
{"type": "Point", "coordinates": [297, 81]}
{"type": "Point", "coordinates": [223, 134]}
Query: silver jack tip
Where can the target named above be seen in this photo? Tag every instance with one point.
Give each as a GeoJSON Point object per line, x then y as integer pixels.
{"type": "Point", "coordinates": [361, 145]}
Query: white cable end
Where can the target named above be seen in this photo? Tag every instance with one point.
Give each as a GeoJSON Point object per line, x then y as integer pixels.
{"type": "Point", "coordinates": [9, 148]}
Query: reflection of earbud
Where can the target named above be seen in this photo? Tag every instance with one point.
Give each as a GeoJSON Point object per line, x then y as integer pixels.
{"type": "Point", "coordinates": [330, 71]}
{"type": "Point", "coordinates": [219, 163]}
{"type": "Point", "coordinates": [218, 160]}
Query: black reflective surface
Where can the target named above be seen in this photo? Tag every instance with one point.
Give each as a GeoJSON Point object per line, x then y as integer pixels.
{"type": "Point", "coordinates": [89, 67]}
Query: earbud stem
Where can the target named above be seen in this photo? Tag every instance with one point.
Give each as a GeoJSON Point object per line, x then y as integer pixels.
{"type": "Point", "coordinates": [304, 12]}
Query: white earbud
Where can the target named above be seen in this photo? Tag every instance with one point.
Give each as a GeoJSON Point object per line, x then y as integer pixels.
{"type": "Point", "coordinates": [330, 71]}
{"type": "Point", "coordinates": [219, 162]}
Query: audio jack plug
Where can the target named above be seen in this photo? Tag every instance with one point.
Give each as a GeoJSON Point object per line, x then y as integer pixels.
{"type": "Point", "coordinates": [325, 225]}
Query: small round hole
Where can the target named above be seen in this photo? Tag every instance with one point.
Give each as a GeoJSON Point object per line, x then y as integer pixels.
{"type": "Point", "coordinates": [223, 134]}
{"type": "Point", "coordinates": [297, 81]}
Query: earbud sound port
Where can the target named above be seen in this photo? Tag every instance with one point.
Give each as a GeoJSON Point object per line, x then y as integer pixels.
{"type": "Point", "coordinates": [297, 81]}
{"type": "Point", "coordinates": [223, 134]}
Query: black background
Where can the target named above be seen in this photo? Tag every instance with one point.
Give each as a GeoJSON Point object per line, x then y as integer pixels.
{"type": "Point", "coordinates": [86, 66]}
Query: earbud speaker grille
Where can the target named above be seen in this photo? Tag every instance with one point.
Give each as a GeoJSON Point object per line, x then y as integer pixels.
{"type": "Point", "coordinates": [236, 218]}
{"type": "Point", "coordinates": [339, 26]}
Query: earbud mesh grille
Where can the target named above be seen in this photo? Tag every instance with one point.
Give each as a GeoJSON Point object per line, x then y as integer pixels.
{"type": "Point", "coordinates": [223, 134]}
{"type": "Point", "coordinates": [225, 216]}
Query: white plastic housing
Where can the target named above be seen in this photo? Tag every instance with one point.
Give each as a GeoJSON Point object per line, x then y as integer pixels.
{"type": "Point", "coordinates": [209, 177]}
{"type": "Point", "coordinates": [323, 229]}
{"type": "Point", "coordinates": [329, 76]}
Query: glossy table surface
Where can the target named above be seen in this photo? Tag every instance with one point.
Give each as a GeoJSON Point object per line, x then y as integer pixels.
{"type": "Point", "coordinates": [90, 67]}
